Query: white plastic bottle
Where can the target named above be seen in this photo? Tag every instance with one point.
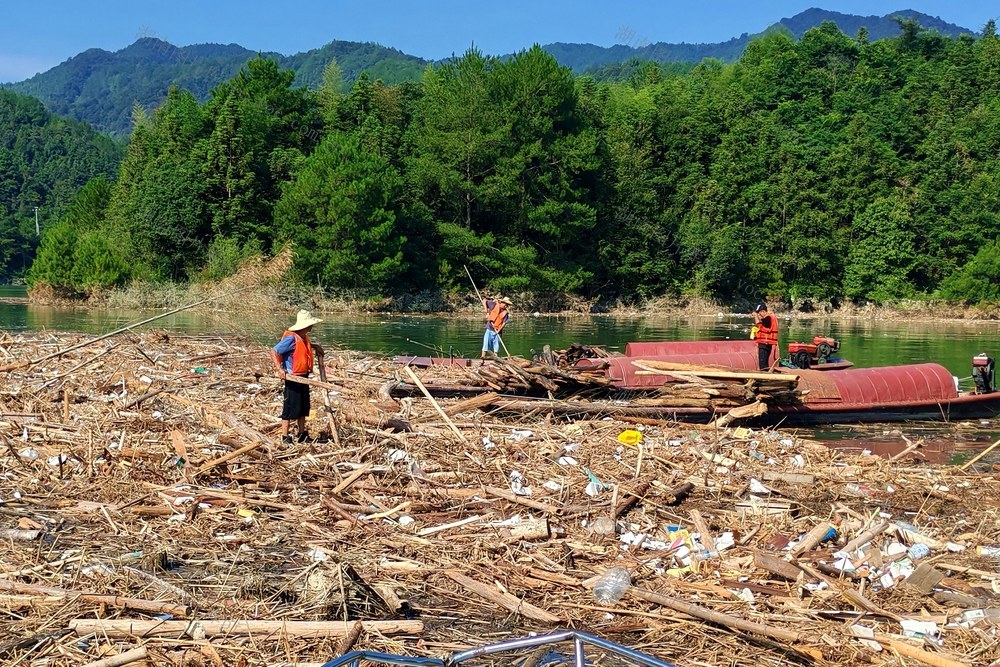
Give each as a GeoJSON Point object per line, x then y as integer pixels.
{"type": "Point", "coordinates": [611, 587]}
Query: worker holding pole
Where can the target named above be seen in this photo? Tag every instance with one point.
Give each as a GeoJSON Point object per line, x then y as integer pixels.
{"type": "Point", "coordinates": [497, 315]}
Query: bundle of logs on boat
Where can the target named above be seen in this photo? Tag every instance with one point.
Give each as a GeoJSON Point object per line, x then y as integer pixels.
{"type": "Point", "coordinates": [518, 385]}
{"type": "Point", "coordinates": [512, 375]}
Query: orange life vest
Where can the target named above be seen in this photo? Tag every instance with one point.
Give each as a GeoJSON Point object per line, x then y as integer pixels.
{"type": "Point", "coordinates": [497, 316]}
{"type": "Point", "coordinates": [302, 355]}
{"type": "Point", "coordinates": [768, 335]}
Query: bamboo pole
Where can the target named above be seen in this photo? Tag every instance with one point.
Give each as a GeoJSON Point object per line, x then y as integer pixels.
{"type": "Point", "coordinates": [126, 627]}
{"type": "Point", "coordinates": [128, 327]}
{"type": "Point", "coordinates": [980, 455]}
{"type": "Point", "coordinates": [447, 419]}
{"type": "Point", "coordinates": [718, 618]}
{"type": "Point", "coordinates": [480, 297]}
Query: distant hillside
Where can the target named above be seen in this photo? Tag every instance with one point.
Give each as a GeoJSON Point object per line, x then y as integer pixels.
{"type": "Point", "coordinates": [586, 58]}
{"type": "Point", "coordinates": [100, 87]}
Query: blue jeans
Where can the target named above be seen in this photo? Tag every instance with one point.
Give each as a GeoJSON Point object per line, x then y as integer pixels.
{"type": "Point", "coordinates": [491, 341]}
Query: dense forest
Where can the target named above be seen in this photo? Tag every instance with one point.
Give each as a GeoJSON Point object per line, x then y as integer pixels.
{"type": "Point", "coordinates": [44, 161]}
{"type": "Point", "coordinates": [823, 168]}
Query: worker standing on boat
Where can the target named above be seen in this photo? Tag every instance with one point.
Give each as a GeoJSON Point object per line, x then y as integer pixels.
{"type": "Point", "coordinates": [766, 326]}
{"type": "Point", "coordinates": [497, 315]}
{"type": "Point", "coordinates": [293, 356]}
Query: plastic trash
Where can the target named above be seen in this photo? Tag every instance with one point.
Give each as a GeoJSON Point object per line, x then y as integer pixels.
{"type": "Point", "coordinates": [630, 437]}
{"type": "Point", "coordinates": [611, 587]}
{"type": "Point", "coordinates": [859, 490]}
{"type": "Point", "coordinates": [918, 551]}
{"type": "Point", "coordinates": [603, 525]}
{"type": "Point", "coordinates": [989, 552]}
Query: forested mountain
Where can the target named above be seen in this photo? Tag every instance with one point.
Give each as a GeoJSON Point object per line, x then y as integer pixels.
{"type": "Point", "coordinates": [812, 169]}
{"type": "Point", "coordinates": [587, 58]}
{"type": "Point", "coordinates": [100, 87]}
{"type": "Point", "coordinates": [44, 161]}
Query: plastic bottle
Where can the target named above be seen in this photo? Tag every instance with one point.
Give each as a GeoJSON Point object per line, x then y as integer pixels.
{"type": "Point", "coordinates": [918, 551]}
{"type": "Point", "coordinates": [611, 587]}
{"type": "Point", "coordinates": [989, 552]}
{"type": "Point", "coordinates": [859, 490]}
{"type": "Point", "coordinates": [705, 554]}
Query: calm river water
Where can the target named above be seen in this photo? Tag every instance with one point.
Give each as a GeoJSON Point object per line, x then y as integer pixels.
{"type": "Point", "coordinates": [866, 343]}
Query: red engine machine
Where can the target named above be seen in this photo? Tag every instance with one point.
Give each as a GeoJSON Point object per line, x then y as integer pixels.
{"type": "Point", "coordinates": [804, 355]}
{"type": "Point", "coordinates": [983, 373]}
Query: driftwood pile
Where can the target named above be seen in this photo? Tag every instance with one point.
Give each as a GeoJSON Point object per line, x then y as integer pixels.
{"type": "Point", "coordinates": [519, 386]}
{"type": "Point", "coordinates": [150, 515]}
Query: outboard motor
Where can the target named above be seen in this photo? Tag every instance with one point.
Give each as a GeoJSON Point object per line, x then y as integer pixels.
{"type": "Point", "coordinates": [983, 374]}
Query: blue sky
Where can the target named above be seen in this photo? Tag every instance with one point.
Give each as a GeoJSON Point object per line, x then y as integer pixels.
{"type": "Point", "coordinates": [39, 34]}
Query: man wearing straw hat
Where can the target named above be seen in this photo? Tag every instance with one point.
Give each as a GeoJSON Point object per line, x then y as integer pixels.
{"type": "Point", "coordinates": [497, 315]}
{"type": "Point", "coordinates": [293, 356]}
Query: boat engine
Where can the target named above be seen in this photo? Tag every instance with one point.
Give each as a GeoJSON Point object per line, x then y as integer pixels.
{"type": "Point", "coordinates": [804, 355]}
{"type": "Point", "coordinates": [984, 373]}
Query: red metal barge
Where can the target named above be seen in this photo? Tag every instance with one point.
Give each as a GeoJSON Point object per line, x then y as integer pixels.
{"type": "Point", "coordinates": [892, 393]}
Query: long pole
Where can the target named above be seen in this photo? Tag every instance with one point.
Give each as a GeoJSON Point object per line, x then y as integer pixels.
{"type": "Point", "coordinates": [480, 297]}
{"type": "Point", "coordinates": [129, 327]}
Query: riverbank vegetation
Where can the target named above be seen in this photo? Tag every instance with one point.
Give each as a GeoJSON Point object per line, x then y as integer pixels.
{"type": "Point", "coordinates": [815, 172]}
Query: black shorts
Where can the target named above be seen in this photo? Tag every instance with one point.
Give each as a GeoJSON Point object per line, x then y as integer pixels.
{"type": "Point", "coordinates": [296, 403]}
{"type": "Point", "coordinates": [763, 356]}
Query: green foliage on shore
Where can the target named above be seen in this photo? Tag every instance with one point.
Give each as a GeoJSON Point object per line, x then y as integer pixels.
{"type": "Point", "coordinates": [816, 169]}
{"type": "Point", "coordinates": [44, 161]}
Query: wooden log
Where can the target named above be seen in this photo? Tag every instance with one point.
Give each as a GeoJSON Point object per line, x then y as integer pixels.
{"type": "Point", "coordinates": [471, 403]}
{"type": "Point", "coordinates": [708, 372]}
{"type": "Point", "coordinates": [150, 606]}
{"type": "Point", "coordinates": [725, 620]}
{"type": "Point", "coordinates": [126, 658]}
{"type": "Point", "coordinates": [813, 537]}
{"type": "Point", "coordinates": [505, 600]}
{"type": "Point", "coordinates": [776, 566]}
{"type": "Point", "coordinates": [867, 536]}
{"type": "Point", "coordinates": [17, 535]}
{"type": "Point", "coordinates": [125, 627]}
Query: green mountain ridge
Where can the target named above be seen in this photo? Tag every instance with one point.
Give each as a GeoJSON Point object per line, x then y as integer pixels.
{"type": "Point", "coordinates": [101, 87]}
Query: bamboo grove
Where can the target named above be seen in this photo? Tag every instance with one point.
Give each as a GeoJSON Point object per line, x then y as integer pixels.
{"type": "Point", "coordinates": [822, 169]}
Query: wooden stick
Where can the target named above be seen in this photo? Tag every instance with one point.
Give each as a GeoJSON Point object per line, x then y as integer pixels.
{"type": "Point", "coordinates": [505, 600]}
{"type": "Point", "coordinates": [128, 327]}
{"type": "Point", "coordinates": [447, 419]}
{"type": "Point", "coordinates": [979, 455]}
{"type": "Point", "coordinates": [314, 382]}
{"type": "Point", "coordinates": [330, 418]}
{"type": "Point", "coordinates": [124, 627]}
{"type": "Point", "coordinates": [718, 618]}
{"type": "Point", "coordinates": [228, 457]}
{"type": "Point", "coordinates": [135, 655]}
{"type": "Point", "coordinates": [110, 600]}
{"type": "Point", "coordinates": [926, 657]}
{"type": "Point", "coordinates": [347, 643]}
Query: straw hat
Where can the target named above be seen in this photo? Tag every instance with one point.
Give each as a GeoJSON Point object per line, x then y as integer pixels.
{"type": "Point", "coordinates": [304, 319]}
{"type": "Point", "coordinates": [504, 299]}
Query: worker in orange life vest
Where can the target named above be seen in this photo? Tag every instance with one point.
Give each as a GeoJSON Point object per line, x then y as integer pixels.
{"type": "Point", "coordinates": [497, 315]}
{"type": "Point", "coordinates": [766, 336]}
{"type": "Point", "coordinates": [293, 355]}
